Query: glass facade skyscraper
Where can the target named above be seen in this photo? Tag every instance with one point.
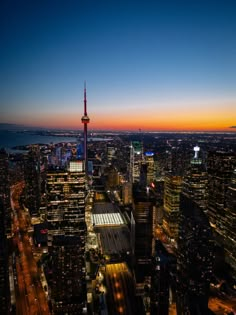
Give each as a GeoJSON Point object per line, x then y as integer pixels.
{"type": "Point", "coordinates": [172, 188]}
{"type": "Point", "coordinates": [66, 238]}
{"type": "Point", "coordinates": [136, 156]}
{"type": "Point", "coordinates": [195, 181]}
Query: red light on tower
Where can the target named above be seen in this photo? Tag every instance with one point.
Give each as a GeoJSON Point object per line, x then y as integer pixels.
{"type": "Point", "coordinates": [152, 185]}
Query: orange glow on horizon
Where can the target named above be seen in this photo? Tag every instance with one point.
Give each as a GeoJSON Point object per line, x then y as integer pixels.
{"type": "Point", "coordinates": [153, 120]}
{"type": "Point", "coordinates": [136, 125]}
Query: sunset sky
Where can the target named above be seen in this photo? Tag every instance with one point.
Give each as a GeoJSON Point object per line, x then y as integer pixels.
{"type": "Point", "coordinates": [150, 65]}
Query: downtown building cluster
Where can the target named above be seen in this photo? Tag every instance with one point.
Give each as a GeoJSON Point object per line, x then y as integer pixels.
{"type": "Point", "coordinates": [126, 225]}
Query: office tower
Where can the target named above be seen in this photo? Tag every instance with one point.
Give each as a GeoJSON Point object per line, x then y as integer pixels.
{"type": "Point", "coordinates": [143, 217]}
{"type": "Point", "coordinates": [220, 167]}
{"type": "Point", "coordinates": [66, 238]}
{"type": "Point", "coordinates": [195, 181]}
{"type": "Point", "coordinates": [230, 224]}
{"type": "Point", "coordinates": [85, 120]}
{"type": "Point", "coordinates": [127, 194]}
{"type": "Point", "coordinates": [4, 231]}
{"type": "Point", "coordinates": [32, 180]}
{"type": "Point", "coordinates": [136, 157]}
{"type": "Point", "coordinates": [172, 189]}
{"type": "Point", "coordinates": [149, 159]}
{"type": "Point", "coordinates": [160, 282]}
{"type": "Point", "coordinates": [194, 260]}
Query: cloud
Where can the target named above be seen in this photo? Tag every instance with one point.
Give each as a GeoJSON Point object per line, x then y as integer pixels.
{"type": "Point", "coordinates": [232, 127]}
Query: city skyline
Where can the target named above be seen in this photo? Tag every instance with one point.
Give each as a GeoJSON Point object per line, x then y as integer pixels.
{"type": "Point", "coordinates": [150, 66]}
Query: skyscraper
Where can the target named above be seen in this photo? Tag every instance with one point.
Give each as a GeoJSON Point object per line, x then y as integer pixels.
{"type": "Point", "coordinates": [195, 181]}
{"type": "Point", "coordinates": [172, 188]}
{"type": "Point", "coordinates": [195, 242]}
{"type": "Point", "coordinates": [143, 217]}
{"type": "Point", "coordinates": [66, 238]}
{"type": "Point", "coordinates": [194, 260]}
{"type": "Point", "coordinates": [149, 159]}
{"type": "Point", "coordinates": [136, 157]}
{"type": "Point", "coordinates": [220, 167]}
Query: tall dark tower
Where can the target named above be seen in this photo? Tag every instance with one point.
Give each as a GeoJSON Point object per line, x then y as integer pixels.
{"type": "Point", "coordinates": [195, 243]}
{"type": "Point", "coordinates": [85, 120]}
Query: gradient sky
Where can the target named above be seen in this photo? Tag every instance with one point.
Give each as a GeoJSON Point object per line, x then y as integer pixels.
{"type": "Point", "coordinates": [153, 65]}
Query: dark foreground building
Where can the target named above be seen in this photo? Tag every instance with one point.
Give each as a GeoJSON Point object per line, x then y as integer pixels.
{"type": "Point", "coordinates": [160, 280]}
{"type": "Point", "coordinates": [195, 258]}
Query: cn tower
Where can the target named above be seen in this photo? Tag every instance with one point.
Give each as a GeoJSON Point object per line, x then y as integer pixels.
{"type": "Point", "coordinates": [85, 120]}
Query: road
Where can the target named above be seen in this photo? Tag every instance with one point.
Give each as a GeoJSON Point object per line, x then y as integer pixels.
{"type": "Point", "coordinates": [30, 299]}
{"type": "Point", "coordinates": [119, 282]}
{"type": "Point", "coordinates": [222, 306]}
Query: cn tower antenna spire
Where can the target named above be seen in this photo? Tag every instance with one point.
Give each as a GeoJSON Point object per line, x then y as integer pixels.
{"type": "Point", "coordinates": [85, 99]}
{"type": "Point", "coordinates": [85, 120]}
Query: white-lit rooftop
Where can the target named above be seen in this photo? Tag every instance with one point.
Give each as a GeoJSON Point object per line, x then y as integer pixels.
{"type": "Point", "coordinates": [111, 219]}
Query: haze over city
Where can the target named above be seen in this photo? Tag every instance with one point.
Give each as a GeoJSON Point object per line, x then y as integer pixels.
{"type": "Point", "coordinates": [154, 65]}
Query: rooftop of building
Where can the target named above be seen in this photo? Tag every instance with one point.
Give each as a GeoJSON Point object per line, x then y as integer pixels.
{"type": "Point", "coordinates": [109, 224]}
{"type": "Point", "coordinates": [114, 240]}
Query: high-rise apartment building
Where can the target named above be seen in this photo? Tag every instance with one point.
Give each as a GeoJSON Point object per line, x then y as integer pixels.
{"type": "Point", "coordinates": [194, 260]}
{"type": "Point", "coordinates": [66, 238]}
{"type": "Point", "coordinates": [172, 189]}
{"type": "Point", "coordinates": [136, 157]}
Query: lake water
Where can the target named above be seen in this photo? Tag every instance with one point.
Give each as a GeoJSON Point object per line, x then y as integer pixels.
{"type": "Point", "coordinates": [9, 139]}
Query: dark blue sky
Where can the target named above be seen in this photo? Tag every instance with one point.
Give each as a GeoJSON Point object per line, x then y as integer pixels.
{"type": "Point", "coordinates": [148, 60]}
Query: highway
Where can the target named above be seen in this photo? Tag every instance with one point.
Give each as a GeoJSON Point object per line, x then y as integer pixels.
{"type": "Point", "coordinates": [30, 296]}
{"type": "Point", "coordinates": [120, 289]}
